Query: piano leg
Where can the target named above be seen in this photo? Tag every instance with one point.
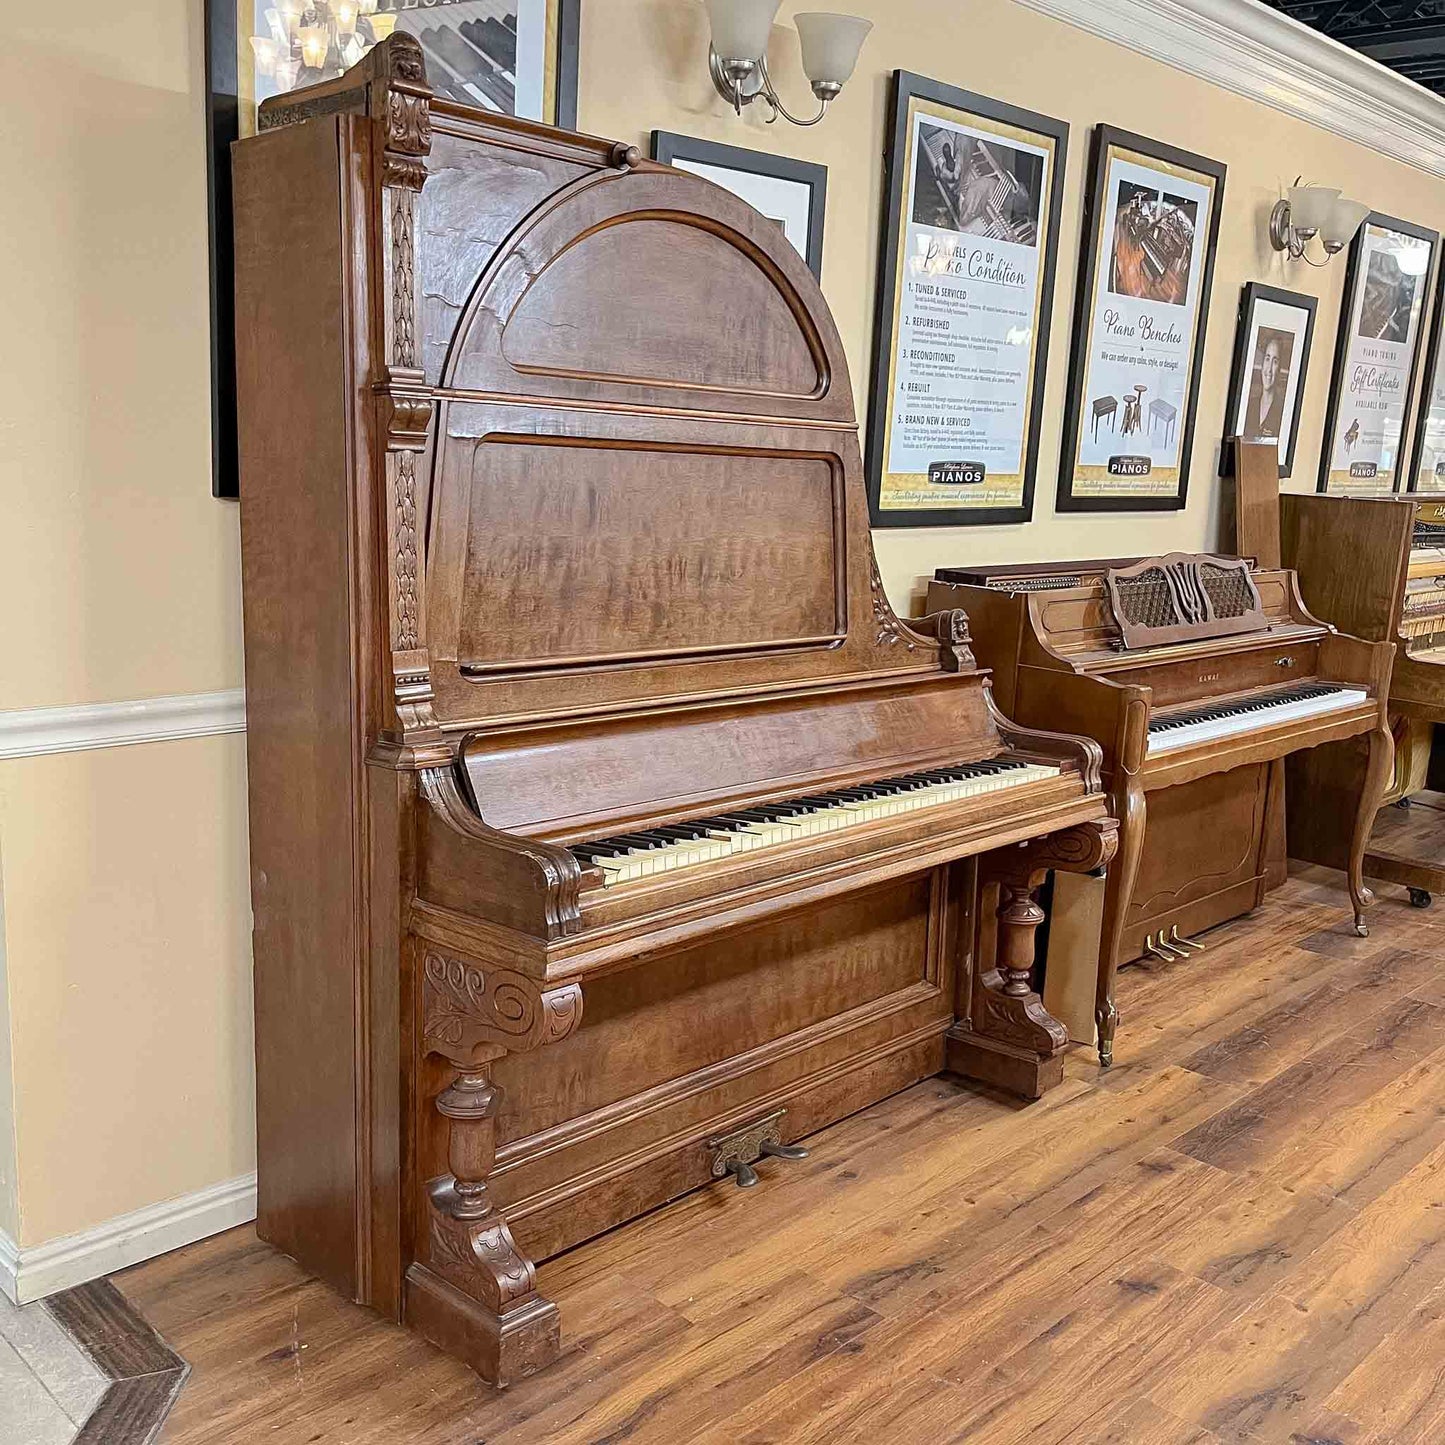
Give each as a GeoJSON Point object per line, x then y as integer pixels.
{"type": "Point", "coordinates": [475, 1294]}
{"type": "Point", "coordinates": [1378, 772]}
{"type": "Point", "coordinates": [1008, 1037]}
{"type": "Point", "coordinates": [1132, 813]}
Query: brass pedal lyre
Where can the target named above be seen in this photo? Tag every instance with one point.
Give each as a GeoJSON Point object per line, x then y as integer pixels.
{"type": "Point", "coordinates": [736, 1153]}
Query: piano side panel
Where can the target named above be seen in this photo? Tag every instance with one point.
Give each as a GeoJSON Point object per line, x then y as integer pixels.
{"type": "Point", "coordinates": [821, 1012]}
{"type": "Point", "coordinates": [300, 690]}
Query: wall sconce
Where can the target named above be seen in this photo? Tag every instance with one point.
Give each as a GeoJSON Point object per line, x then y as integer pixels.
{"type": "Point", "coordinates": [738, 60]}
{"type": "Point", "coordinates": [1310, 211]}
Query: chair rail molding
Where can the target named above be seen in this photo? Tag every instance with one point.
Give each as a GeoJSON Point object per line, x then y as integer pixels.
{"type": "Point", "coordinates": [32, 1272]}
{"type": "Point", "coordinates": [1257, 52]}
{"type": "Point", "coordinates": [36, 731]}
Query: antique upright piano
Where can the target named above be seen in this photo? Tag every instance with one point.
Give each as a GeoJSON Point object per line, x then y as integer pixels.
{"type": "Point", "coordinates": [1376, 566]}
{"type": "Point", "coordinates": [609, 831]}
{"type": "Point", "coordinates": [1198, 676]}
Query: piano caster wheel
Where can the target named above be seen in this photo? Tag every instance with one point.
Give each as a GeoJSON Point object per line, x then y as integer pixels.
{"type": "Point", "coordinates": [782, 1151]}
{"type": "Point", "coordinates": [745, 1174]}
{"type": "Point", "coordinates": [1420, 898]}
{"type": "Point", "coordinates": [1403, 803]}
{"type": "Point", "coordinates": [1362, 929]}
{"type": "Point", "coordinates": [1106, 1057]}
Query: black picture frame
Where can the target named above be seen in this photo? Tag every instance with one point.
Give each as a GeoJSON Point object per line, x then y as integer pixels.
{"type": "Point", "coordinates": [1433, 361]}
{"type": "Point", "coordinates": [669, 147]}
{"type": "Point", "coordinates": [907, 86]}
{"type": "Point", "coordinates": [1242, 365]}
{"type": "Point", "coordinates": [1353, 279]}
{"type": "Point", "coordinates": [1095, 208]}
{"type": "Point", "coordinates": [223, 126]}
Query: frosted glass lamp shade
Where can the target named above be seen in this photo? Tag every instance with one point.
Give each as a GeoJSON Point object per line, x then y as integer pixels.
{"type": "Point", "coordinates": [1343, 221]}
{"type": "Point", "coordinates": [1309, 206]}
{"type": "Point", "coordinates": [740, 28]}
{"type": "Point", "coordinates": [830, 45]}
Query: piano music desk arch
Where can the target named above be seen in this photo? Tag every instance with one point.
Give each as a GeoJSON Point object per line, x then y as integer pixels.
{"type": "Point", "coordinates": [609, 831]}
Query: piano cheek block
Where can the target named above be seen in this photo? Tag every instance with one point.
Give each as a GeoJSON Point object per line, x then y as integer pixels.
{"type": "Point", "coordinates": [584, 568]}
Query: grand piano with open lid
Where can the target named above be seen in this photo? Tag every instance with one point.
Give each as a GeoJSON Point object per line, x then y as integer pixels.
{"type": "Point", "coordinates": [1202, 678]}
{"type": "Point", "coordinates": [609, 831]}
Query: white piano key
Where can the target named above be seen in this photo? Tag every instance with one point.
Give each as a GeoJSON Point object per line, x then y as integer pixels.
{"type": "Point", "coordinates": [1191, 734]}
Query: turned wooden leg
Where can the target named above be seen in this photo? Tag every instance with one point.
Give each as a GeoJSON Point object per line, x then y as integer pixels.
{"type": "Point", "coordinates": [1019, 917]}
{"type": "Point", "coordinates": [1131, 811]}
{"type": "Point", "coordinates": [477, 1295]}
{"type": "Point", "coordinates": [1378, 771]}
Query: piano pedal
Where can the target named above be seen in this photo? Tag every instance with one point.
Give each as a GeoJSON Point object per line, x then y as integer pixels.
{"type": "Point", "coordinates": [1156, 950]}
{"type": "Point", "coordinates": [1177, 941]}
{"type": "Point", "coordinates": [736, 1153]}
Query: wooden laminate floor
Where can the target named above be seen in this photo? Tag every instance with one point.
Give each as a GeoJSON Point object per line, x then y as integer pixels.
{"type": "Point", "coordinates": [1237, 1234]}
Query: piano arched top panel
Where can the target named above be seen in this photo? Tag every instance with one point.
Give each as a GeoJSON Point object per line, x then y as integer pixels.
{"type": "Point", "coordinates": [652, 287]}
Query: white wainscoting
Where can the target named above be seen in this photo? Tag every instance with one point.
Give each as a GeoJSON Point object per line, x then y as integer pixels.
{"type": "Point", "coordinates": [33, 1272]}
{"type": "Point", "coordinates": [36, 731]}
{"type": "Point", "coordinates": [1257, 52]}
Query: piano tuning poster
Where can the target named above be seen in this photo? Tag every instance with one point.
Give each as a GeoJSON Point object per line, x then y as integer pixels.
{"type": "Point", "coordinates": [1150, 225]}
{"type": "Point", "coordinates": [970, 236]}
{"type": "Point", "coordinates": [1376, 354]}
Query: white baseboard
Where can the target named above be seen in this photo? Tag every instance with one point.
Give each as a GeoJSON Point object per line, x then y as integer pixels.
{"type": "Point", "coordinates": [34, 1271]}
{"type": "Point", "coordinates": [32, 732]}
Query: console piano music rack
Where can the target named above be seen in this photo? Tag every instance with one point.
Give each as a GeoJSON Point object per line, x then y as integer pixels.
{"type": "Point", "coordinates": [1376, 566]}
{"type": "Point", "coordinates": [1198, 676]}
{"type": "Point", "coordinates": [609, 831]}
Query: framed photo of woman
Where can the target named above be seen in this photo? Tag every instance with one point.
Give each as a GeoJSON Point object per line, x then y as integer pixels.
{"type": "Point", "coordinates": [1267, 381]}
{"type": "Point", "coordinates": [1377, 356]}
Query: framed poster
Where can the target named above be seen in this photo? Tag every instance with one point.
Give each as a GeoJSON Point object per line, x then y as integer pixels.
{"type": "Point", "coordinates": [791, 193]}
{"type": "Point", "coordinates": [1377, 354]}
{"type": "Point", "coordinates": [516, 57]}
{"type": "Point", "coordinates": [1427, 455]}
{"type": "Point", "coordinates": [1267, 378]}
{"type": "Point", "coordinates": [966, 280]}
{"type": "Point", "coordinates": [1151, 222]}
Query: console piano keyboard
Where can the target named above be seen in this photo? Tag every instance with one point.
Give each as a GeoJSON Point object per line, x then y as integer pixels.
{"type": "Point", "coordinates": [1191, 726]}
{"type": "Point", "coordinates": [630, 856]}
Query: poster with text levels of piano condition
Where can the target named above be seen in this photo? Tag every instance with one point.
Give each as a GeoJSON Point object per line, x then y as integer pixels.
{"type": "Point", "coordinates": [1151, 253]}
{"type": "Point", "coordinates": [1382, 312]}
{"type": "Point", "coordinates": [965, 313]}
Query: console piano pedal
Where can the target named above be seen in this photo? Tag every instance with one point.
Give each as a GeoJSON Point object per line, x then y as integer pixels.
{"type": "Point", "coordinates": [736, 1153]}
{"type": "Point", "coordinates": [1175, 940]}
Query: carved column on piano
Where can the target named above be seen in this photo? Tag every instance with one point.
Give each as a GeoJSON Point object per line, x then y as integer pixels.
{"type": "Point", "coordinates": [1007, 1037]}
{"type": "Point", "coordinates": [402, 104]}
{"type": "Point", "coordinates": [1128, 806]}
{"type": "Point", "coordinates": [472, 1291]}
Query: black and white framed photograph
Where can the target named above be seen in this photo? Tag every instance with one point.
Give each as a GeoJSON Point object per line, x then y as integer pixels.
{"type": "Point", "coordinates": [966, 278]}
{"type": "Point", "coordinates": [1151, 226]}
{"type": "Point", "coordinates": [513, 57]}
{"type": "Point", "coordinates": [1427, 455]}
{"type": "Point", "coordinates": [791, 193]}
{"type": "Point", "coordinates": [1377, 356]}
{"type": "Point", "coordinates": [1267, 379]}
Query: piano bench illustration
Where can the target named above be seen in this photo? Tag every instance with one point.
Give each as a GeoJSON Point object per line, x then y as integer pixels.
{"type": "Point", "coordinates": [1104, 406]}
{"type": "Point", "coordinates": [1163, 414]}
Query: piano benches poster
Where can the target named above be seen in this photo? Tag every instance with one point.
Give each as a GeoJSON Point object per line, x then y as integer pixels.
{"type": "Point", "coordinates": [1376, 356]}
{"type": "Point", "coordinates": [966, 288]}
{"type": "Point", "coordinates": [1151, 222]}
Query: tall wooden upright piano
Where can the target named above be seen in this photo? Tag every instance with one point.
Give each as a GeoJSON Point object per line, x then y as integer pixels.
{"type": "Point", "coordinates": [609, 831]}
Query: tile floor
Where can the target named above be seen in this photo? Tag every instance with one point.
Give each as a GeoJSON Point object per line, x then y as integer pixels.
{"type": "Point", "coordinates": [48, 1384]}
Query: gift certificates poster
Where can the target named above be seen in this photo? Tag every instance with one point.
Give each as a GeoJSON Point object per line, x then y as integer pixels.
{"type": "Point", "coordinates": [1376, 366]}
{"type": "Point", "coordinates": [966, 312]}
{"type": "Point", "coordinates": [1151, 264]}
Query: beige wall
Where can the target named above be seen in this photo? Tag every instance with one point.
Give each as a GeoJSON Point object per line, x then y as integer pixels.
{"type": "Point", "coordinates": [125, 961]}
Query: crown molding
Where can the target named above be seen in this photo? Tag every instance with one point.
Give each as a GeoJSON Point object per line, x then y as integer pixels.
{"type": "Point", "coordinates": [1259, 53]}
{"type": "Point", "coordinates": [34, 732]}
{"type": "Point", "coordinates": [32, 1272]}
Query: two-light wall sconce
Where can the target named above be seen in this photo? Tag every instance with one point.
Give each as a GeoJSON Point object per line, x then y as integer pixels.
{"type": "Point", "coordinates": [738, 56]}
{"type": "Point", "coordinates": [1309, 211]}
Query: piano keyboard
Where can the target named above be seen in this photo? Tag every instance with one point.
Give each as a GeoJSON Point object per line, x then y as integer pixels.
{"type": "Point", "coordinates": [1226, 719]}
{"type": "Point", "coordinates": [705, 840]}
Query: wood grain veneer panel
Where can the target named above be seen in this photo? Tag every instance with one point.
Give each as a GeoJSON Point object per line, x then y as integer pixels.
{"type": "Point", "coordinates": [598, 552]}
{"type": "Point", "coordinates": [665, 301]}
